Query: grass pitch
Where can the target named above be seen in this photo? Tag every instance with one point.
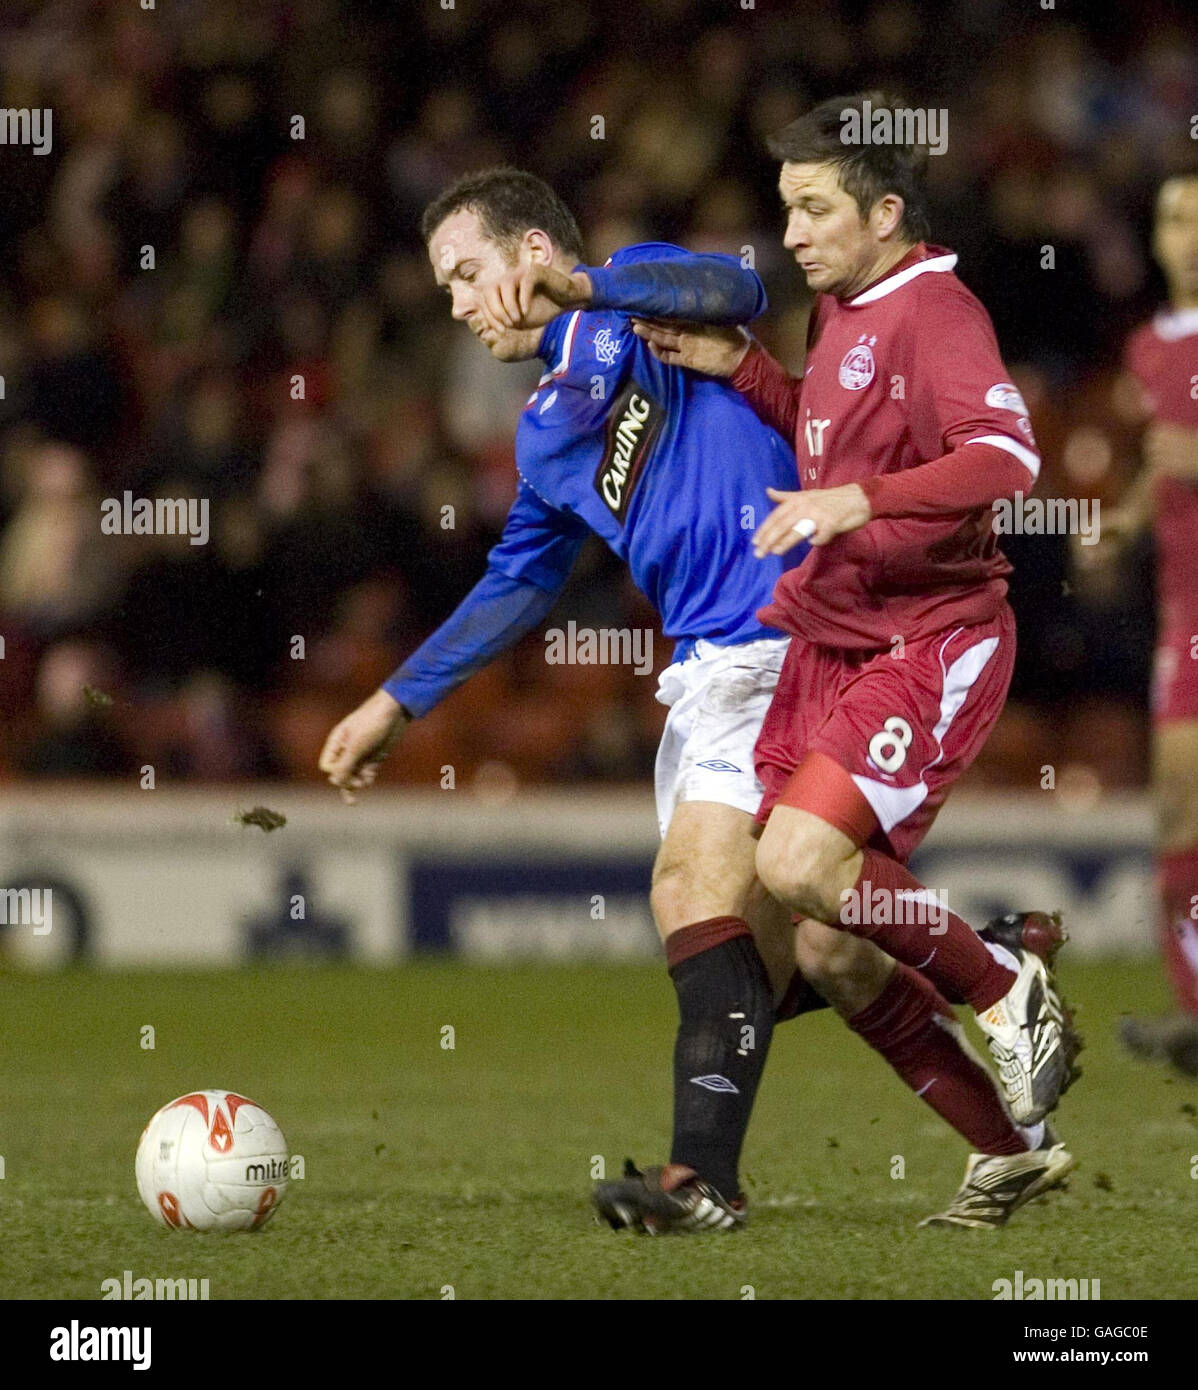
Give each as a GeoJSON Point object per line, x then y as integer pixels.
{"type": "Point", "coordinates": [470, 1167]}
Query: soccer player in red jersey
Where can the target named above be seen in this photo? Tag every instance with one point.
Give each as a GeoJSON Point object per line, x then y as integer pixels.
{"type": "Point", "coordinates": [907, 431]}
{"type": "Point", "coordinates": [1161, 359]}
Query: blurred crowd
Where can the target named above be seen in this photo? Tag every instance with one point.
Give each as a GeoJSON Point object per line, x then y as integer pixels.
{"type": "Point", "coordinates": [196, 302]}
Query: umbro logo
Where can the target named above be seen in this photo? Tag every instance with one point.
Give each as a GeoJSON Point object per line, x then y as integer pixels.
{"type": "Point", "coordinates": [719, 765]}
{"type": "Point", "coordinates": [715, 1082]}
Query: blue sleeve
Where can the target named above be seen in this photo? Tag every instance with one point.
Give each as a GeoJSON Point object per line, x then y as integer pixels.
{"type": "Point", "coordinates": [526, 573]}
{"type": "Point", "coordinates": [704, 289]}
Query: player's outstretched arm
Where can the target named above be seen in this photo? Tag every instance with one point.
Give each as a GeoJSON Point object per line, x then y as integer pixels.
{"type": "Point", "coordinates": [495, 615]}
{"type": "Point", "coordinates": [712, 289]}
{"type": "Point", "coordinates": [684, 286]}
{"type": "Point", "coordinates": [526, 573]}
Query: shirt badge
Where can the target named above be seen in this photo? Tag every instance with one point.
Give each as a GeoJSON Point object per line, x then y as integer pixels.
{"type": "Point", "coordinates": [1004, 396]}
{"type": "Point", "coordinates": [858, 367]}
{"type": "Point", "coordinates": [607, 348]}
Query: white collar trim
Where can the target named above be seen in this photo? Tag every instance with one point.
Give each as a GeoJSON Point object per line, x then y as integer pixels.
{"type": "Point", "coordinates": [1172, 324]}
{"type": "Point", "coordinates": [567, 347]}
{"type": "Point", "coordinates": [893, 282]}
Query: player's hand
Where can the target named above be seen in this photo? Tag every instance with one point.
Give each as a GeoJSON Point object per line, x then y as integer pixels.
{"type": "Point", "coordinates": [1171, 451]}
{"type": "Point", "coordinates": [703, 347]}
{"type": "Point", "coordinates": [533, 295]}
{"type": "Point", "coordinates": [355, 749]}
{"type": "Point", "coordinates": [820, 514]}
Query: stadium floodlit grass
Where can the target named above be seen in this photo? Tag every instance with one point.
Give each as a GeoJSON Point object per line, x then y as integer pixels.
{"type": "Point", "coordinates": [470, 1167]}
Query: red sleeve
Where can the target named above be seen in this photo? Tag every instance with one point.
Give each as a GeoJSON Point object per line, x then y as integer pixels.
{"type": "Point", "coordinates": [770, 390]}
{"type": "Point", "coordinates": [973, 476]}
{"type": "Point", "coordinates": [961, 389]}
{"type": "Point", "coordinates": [963, 410]}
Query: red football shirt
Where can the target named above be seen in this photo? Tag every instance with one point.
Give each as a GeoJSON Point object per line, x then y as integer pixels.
{"type": "Point", "coordinates": [1163, 357]}
{"type": "Point", "coordinates": [904, 393]}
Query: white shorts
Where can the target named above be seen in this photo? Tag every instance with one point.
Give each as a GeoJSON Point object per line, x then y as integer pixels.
{"type": "Point", "coordinates": [718, 697]}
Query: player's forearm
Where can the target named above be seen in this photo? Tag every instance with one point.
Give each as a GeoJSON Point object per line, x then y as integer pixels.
{"type": "Point", "coordinates": [494, 616]}
{"type": "Point", "coordinates": [973, 476]}
{"type": "Point", "coordinates": [699, 289]}
{"type": "Point", "coordinates": [770, 390]}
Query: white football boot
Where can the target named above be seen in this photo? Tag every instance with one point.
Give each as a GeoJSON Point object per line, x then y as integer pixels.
{"type": "Point", "coordinates": [997, 1185]}
{"type": "Point", "coordinates": [1030, 1036]}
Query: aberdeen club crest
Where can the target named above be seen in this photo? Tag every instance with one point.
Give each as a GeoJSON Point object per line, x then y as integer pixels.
{"type": "Point", "coordinates": [858, 366]}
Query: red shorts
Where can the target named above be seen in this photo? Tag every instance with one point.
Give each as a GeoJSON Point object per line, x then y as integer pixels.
{"type": "Point", "coordinates": [904, 728]}
{"type": "Point", "coordinates": [1175, 677]}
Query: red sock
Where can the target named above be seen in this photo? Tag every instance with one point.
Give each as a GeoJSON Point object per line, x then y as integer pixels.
{"type": "Point", "coordinates": [915, 1029]}
{"type": "Point", "coordinates": [1178, 879]}
{"type": "Point", "coordinates": [942, 945]}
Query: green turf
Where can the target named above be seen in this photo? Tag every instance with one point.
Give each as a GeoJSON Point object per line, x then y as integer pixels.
{"type": "Point", "coordinates": [428, 1167]}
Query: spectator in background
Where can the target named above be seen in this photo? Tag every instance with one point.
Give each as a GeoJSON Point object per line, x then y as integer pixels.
{"type": "Point", "coordinates": [54, 576]}
{"type": "Point", "coordinates": [75, 737]}
{"type": "Point", "coordinates": [279, 258]}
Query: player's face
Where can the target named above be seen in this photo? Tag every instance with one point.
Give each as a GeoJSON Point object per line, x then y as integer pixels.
{"type": "Point", "coordinates": [834, 248]}
{"type": "Point", "coordinates": [465, 262]}
{"type": "Point", "coordinates": [1177, 238]}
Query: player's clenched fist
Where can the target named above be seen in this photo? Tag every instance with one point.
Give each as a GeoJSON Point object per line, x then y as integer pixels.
{"type": "Point", "coordinates": [818, 515]}
{"type": "Point", "coordinates": [533, 295]}
{"type": "Point", "coordinates": [354, 751]}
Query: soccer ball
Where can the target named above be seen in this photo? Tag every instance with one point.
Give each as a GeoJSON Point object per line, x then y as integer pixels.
{"type": "Point", "coordinates": [212, 1161]}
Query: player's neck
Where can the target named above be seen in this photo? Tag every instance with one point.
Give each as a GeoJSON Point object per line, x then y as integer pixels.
{"type": "Point", "coordinates": [888, 258]}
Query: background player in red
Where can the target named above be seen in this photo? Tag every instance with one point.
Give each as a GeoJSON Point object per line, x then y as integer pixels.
{"type": "Point", "coordinates": [1162, 360]}
{"type": "Point", "coordinates": [907, 431]}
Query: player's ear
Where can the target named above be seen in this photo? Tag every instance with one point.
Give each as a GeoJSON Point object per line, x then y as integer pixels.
{"type": "Point", "coordinates": [888, 215]}
{"type": "Point", "coordinates": [538, 248]}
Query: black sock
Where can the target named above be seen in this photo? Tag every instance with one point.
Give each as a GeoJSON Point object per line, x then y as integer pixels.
{"type": "Point", "coordinates": [726, 1019]}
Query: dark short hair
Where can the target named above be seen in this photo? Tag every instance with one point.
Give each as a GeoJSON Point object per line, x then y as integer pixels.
{"type": "Point", "coordinates": [865, 172]}
{"type": "Point", "coordinates": [508, 202]}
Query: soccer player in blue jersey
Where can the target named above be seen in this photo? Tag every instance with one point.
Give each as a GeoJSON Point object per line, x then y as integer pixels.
{"type": "Point", "coordinates": [665, 465]}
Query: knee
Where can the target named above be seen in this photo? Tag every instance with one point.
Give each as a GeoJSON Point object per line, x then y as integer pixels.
{"type": "Point", "coordinates": [848, 972]}
{"type": "Point", "coordinates": [796, 873]}
{"type": "Point", "coordinates": [831, 959]}
{"type": "Point", "coordinates": [667, 898]}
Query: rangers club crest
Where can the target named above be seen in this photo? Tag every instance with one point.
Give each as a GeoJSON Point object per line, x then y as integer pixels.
{"type": "Point", "coordinates": [607, 348]}
{"type": "Point", "coordinates": [858, 366]}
